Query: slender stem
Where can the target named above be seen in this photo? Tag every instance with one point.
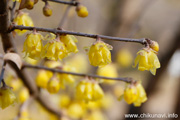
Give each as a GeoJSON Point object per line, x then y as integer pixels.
{"type": "Point", "coordinates": [128, 80]}
{"type": "Point", "coordinates": [13, 11]}
{"type": "Point", "coordinates": [55, 31]}
{"type": "Point", "coordinates": [64, 17]}
{"type": "Point", "coordinates": [2, 72]}
{"type": "Point", "coordinates": [73, 3]}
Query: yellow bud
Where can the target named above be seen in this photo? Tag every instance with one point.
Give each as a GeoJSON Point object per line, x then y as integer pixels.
{"type": "Point", "coordinates": [75, 111]}
{"type": "Point", "coordinates": [47, 11]}
{"type": "Point", "coordinates": [15, 83]}
{"type": "Point", "coordinates": [124, 58]}
{"type": "Point", "coordinates": [53, 64]}
{"type": "Point", "coordinates": [29, 4]}
{"type": "Point", "coordinates": [53, 85]}
{"type": "Point", "coordinates": [31, 61]}
{"type": "Point", "coordinates": [23, 19]}
{"type": "Point", "coordinates": [43, 78]}
{"type": "Point", "coordinates": [7, 97]}
{"type": "Point", "coordinates": [154, 45]}
{"type": "Point", "coordinates": [79, 62]}
{"type": "Point", "coordinates": [82, 11]}
{"type": "Point", "coordinates": [23, 95]}
{"type": "Point", "coordinates": [109, 70]}
{"type": "Point", "coordinates": [64, 101]}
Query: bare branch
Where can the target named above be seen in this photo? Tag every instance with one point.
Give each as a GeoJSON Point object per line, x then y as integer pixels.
{"type": "Point", "coordinates": [128, 80]}
{"type": "Point", "coordinates": [55, 31]}
{"type": "Point", "coordinates": [73, 3]}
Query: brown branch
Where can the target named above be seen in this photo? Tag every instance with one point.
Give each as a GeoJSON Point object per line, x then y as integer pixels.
{"type": "Point", "coordinates": [55, 31]}
{"type": "Point", "coordinates": [72, 3]}
{"type": "Point", "coordinates": [13, 10]}
{"type": "Point", "coordinates": [128, 80]}
{"type": "Point", "coordinates": [8, 46]}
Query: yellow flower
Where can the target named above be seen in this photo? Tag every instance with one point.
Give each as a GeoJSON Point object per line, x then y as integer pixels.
{"type": "Point", "coordinates": [108, 71]}
{"type": "Point", "coordinates": [42, 78]}
{"type": "Point", "coordinates": [23, 95]}
{"type": "Point", "coordinates": [130, 94]}
{"type": "Point", "coordinates": [69, 42]}
{"type": "Point", "coordinates": [135, 93]}
{"type": "Point", "coordinates": [13, 82]}
{"type": "Point", "coordinates": [53, 85]}
{"type": "Point", "coordinates": [64, 101]}
{"type": "Point", "coordinates": [79, 62]}
{"type": "Point", "coordinates": [124, 58]}
{"type": "Point", "coordinates": [31, 61]}
{"type": "Point", "coordinates": [54, 50]}
{"type": "Point", "coordinates": [75, 110]}
{"type": "Point", "coordinates": [66, 78]}
{"type": "Point", "coordinates": [33, 45]}
{"type": "Point", "coordinates": [99, 54]}
{"type": "Point", "coordinates": [7, 97]}
{"type": "Point", "coordinates": [23, 19]}
{"type": "Point", "coordinates": [89, 91]}
{"type": "Point", "coordinates": [47, 11]}
{"type": "Point", "coordinates": [53, 64]}
{"type": "Point", "coordinates": [147, 60]}
{"type": "Point", "coordinates": [82, 11]}
{"type": "Point", "coordinates": [141, 95]}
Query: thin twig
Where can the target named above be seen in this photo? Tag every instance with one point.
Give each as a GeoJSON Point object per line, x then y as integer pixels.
{"type": "Point", "coordinates": [23, 107]}
{"type": "Point", "coordinates": [128, 80]}
{"type": "Point", "coordinates": [73, 3]}
{"type": "Point", "coordinates": [13, 11]}
{"type": "Point", "coordinates": [64, 17]}
{"type": "Point", "coordinates": [55, 31]}
{"type": "Point", "coordinates": [2, 72]}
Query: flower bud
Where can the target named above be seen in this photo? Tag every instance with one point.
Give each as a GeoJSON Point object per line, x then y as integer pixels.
{"type": "Point", "coordinates": [7, 97]}
{"type": "Point", "coordinates": [29, 4]}
{"type": "Point", "coordinates": [53, 85]}
{"type": "Point", "coordinates": [23, 95]}
{"type": "Point", "coordinates": [154, 45]}
{"type": "Point", "coordinates": [47, 11]}
{"type": "Point", "coordinates": [82, 11]}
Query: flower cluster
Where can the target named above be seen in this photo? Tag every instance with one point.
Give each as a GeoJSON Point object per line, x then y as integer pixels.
{"type": "Point", "coordinates": [135, 93]}
{"type": "Point", "coordinates": [54, 49]}
{"type": "Point", "coordinates": [53, 82]}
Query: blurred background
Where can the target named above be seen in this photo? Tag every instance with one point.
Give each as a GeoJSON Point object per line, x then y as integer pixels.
{"type": "Point", "coordinates": [158, 20]}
